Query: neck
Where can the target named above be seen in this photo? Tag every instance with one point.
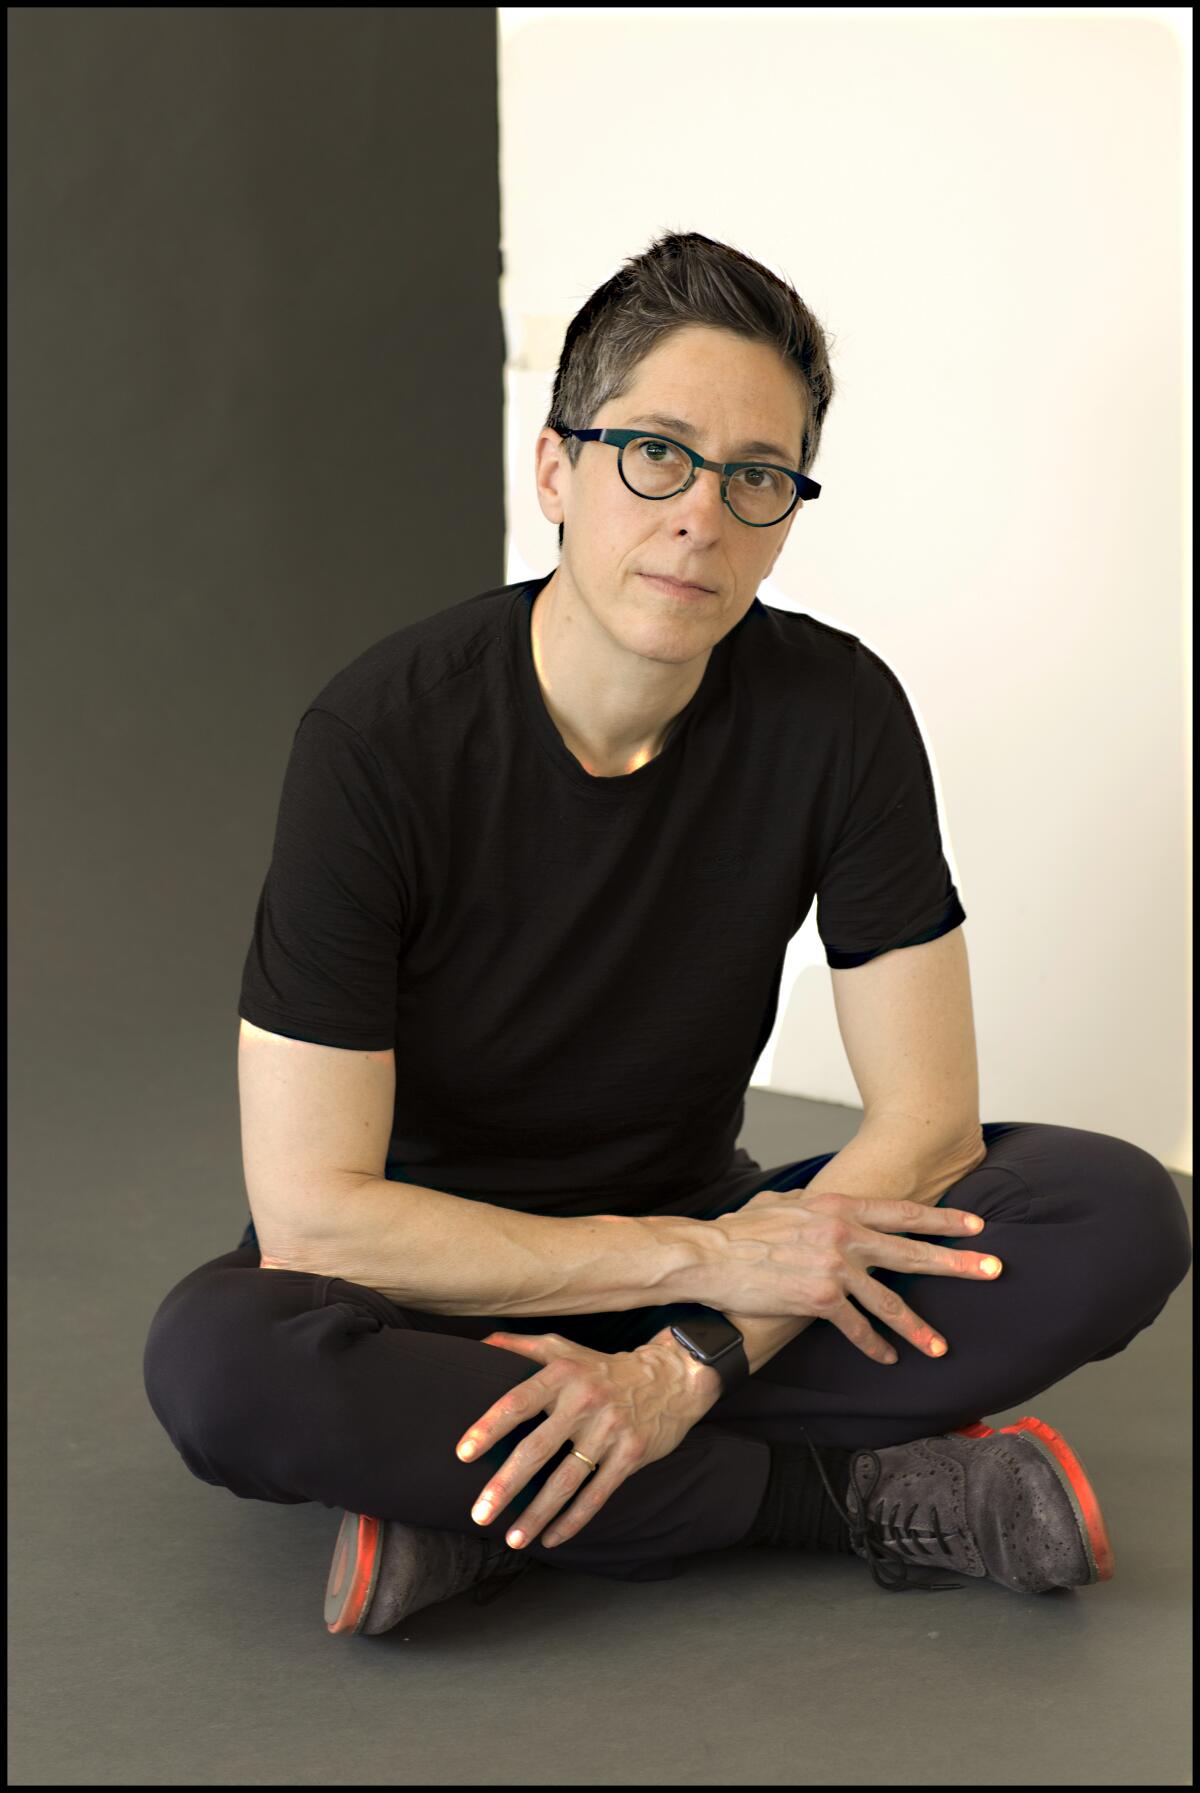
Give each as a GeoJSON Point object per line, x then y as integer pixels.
{"type": "Point", "coordinates": [614, 708]}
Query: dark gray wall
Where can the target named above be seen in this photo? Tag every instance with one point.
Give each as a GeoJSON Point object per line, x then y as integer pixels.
{"type": "Point", "coordinates": [255, 423]}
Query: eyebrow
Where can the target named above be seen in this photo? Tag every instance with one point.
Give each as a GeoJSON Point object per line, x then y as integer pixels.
{"type": "Point", "coordinates": [688, 429]}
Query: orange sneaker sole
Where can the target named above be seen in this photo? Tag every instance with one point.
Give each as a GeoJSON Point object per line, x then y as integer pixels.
{"type": "Point", "coordinates": [1074, 1478]}
{"type": "Point", "coordinates": [353, 1573]}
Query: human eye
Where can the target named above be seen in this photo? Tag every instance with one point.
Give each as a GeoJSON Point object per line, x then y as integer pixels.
{"type": "Point", "coordinates": [766, 477]}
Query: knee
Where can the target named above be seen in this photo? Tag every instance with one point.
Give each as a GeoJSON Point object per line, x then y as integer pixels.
{"type": "Point", "coordinates": [1175, 1238]}
{"type": "Point", "coordinates": [195, 1362]}
{"type": "Point", "coordinates": [1148, 1212]}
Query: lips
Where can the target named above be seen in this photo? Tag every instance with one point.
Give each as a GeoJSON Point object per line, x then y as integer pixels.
{"type": "Point", "coordinates": [679, 584]}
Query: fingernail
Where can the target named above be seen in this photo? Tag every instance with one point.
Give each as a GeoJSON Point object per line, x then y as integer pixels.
{"type": "Point", "coordinates": [481, 1511]}
{"type": "Point", "coordinates": [516, 1538]}
{"type": "Point", "coordinates": [938, 1347]}
{"type": "Point", "coordinates": [466, 1450]}
{"type": "Point", "coordinates": [990, 1266]}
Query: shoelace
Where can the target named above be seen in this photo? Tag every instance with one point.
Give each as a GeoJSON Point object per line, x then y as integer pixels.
{"type": "Point", "coordinates": [883, 1538]}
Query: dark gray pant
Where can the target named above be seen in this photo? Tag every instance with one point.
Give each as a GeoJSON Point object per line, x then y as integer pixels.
{"type": "Point", "coordinates": [287, 1387]}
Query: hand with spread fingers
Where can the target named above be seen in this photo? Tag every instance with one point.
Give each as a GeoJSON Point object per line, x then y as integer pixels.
{"type": "Point", "coordinates": [622, 1409]}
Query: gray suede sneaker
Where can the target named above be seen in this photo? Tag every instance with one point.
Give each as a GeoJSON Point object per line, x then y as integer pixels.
{"type": "Point", "coordinates": [382, 1571]}
{"type": "Point", "coordinates": [1014, 1505]}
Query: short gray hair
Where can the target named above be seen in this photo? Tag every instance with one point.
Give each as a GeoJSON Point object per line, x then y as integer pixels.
{"type": "Point", "coordinates": [682, 280]}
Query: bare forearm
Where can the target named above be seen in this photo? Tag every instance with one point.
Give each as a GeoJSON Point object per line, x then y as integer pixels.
{"type": "Point", "coordinates": [883, 1158]}
{"type": "Point", "coordinates": [444, 1254]}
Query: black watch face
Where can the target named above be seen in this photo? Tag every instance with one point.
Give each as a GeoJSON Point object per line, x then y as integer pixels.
{"type": "Point", "coordinates": [710, 1333]}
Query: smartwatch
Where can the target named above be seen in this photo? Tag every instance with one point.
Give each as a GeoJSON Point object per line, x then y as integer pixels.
{"type": "Point", "coordinates": [716, 1341]}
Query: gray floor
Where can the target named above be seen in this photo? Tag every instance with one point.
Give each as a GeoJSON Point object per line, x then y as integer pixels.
{"type": "Point", "coordinates": [165, 1633]}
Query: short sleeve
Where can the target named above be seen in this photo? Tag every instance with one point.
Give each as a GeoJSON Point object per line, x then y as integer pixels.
{"type": "Point", "coordinates": [886, 882]}
{"type": "Point", "coordinates": [324, 958]}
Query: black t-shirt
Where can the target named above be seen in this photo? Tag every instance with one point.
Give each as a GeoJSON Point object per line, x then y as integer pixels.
{"type": "Point", "coordinates": [578, 974]}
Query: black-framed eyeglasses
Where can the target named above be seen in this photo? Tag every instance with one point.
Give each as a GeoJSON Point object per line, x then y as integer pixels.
{"type": "Point", "coordinates": [763, 493]}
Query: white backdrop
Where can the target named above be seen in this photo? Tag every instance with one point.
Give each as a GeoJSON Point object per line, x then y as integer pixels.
{"type": "Point", "coordinates": [989, 211]}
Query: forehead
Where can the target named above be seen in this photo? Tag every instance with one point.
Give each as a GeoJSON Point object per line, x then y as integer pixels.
{"type": "Point", "coordinates": [767, 393]}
